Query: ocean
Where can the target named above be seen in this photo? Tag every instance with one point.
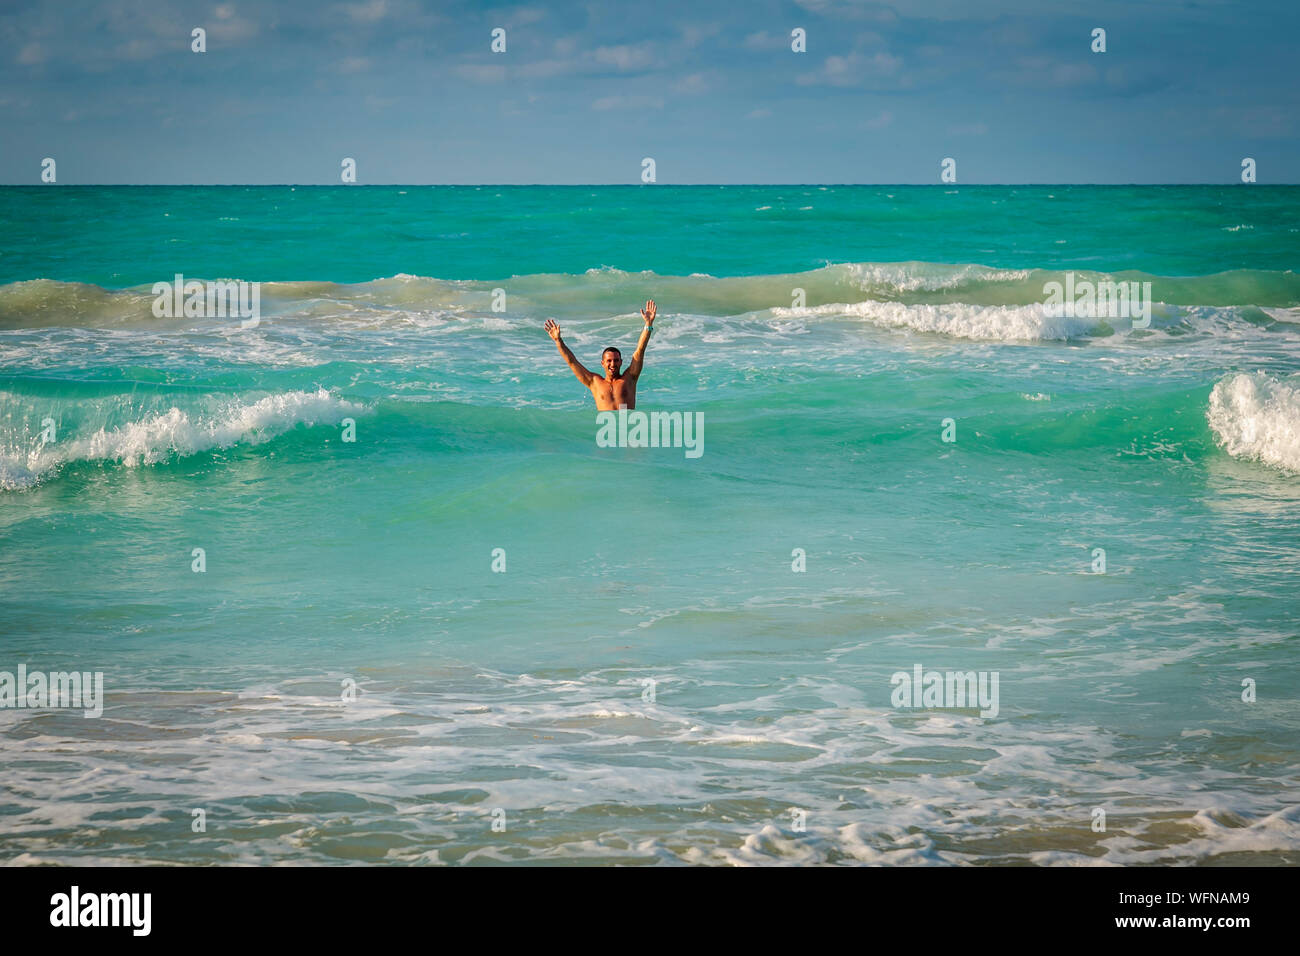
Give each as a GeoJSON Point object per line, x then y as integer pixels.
{"type": "Point", "coordinates": [364, 588]}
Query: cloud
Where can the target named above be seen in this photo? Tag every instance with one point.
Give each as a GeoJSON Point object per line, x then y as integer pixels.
{"type": "Point", "coordinates": [628, 103]}
{"type": "Point", "coordinates": [693, 84]}
{"type": "Point", "coordinates": [1120, 81]}
{"type": "Point", "coordinates": [1014, 33]}
{"type": "Point", "coordinates": [230, 27]}
{"type": "Point", "coordinates": [1037, 72]}
{"type": "Point", "coordinates": [137, 49]}
{"type": "Point", "coordinates": [522, 16]}
{"type": "Point", "coordinates": [978, 71]}
{"type": "Point", "coordinates": [850, 10]}
{"type": "Point", "coordinates": [695, 34]}
{"type": "Point", "coordinates": [625, 56]}
{"type": "Point", "coordinates": [767, 41]}
{"type": "Point", "coordinates": [853, 70]}
{"type": "Point", "coordinates": [367, 12]}
{"type": "Point", "coordinates": [1073, 74]}
{"type": "Point", "coordinates": [937, 9]}
{"type": "Point", "coordinates": [482, 72]}
{"type": "Point", "coordinates": [1256, 122]}
{"type": "Point", "coordinates": [542, 69]}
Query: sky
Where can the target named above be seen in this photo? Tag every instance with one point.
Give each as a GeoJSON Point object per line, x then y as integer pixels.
{"type": "Point", "coordinates": [711, 91]}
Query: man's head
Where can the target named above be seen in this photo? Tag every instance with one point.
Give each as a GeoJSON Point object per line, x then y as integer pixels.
{"type": "Point", "coordinates": [611, 359]}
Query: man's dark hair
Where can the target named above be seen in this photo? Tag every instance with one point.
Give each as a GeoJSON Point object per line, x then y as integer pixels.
{"type": "Point", "coordinates": [610, 349]}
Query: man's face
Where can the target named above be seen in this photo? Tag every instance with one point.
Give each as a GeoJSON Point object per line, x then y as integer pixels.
{"type": "Point", "coordinates": [611, 361]}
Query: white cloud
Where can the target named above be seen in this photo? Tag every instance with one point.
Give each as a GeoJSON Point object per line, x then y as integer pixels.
{"type": "Point", "coordinates": [1263, 122]}
{"type": "Point", "coordinates": [32, 53]}
{"type": "Point", "coordinates": [367, 12]}
{"type": "Point", "coordinates": [625, 56]}
{"type": "Point", "coordinates": [853, 69]}
{"type": "Point", "coordinates": [849, 10]}
{"type": "Point", "coordinates": [937, 9]}
{"type": "Point", "coordinates": [1037, 72]}
{"type": "Point", "coordinates": [694, 34]}
{"type": "Point", "coordinates": [628, 103]}
{"type": "Point", "coordinates": [482, 72]}
{"type": "Point", "coordinates": [541, 69]}
{"type": "Point", "coordinates": [230, 26]}
{"type": "Point", "coordinates": [136, 49]}
{"type": "Point", "coordinates": [762, 40]}
{"type": "Point", "coordinates": [693, 84]}
{"type": "Point", "coordinates": [522, 16]}
{"type": "Point", "coordinates": [1072, 74]}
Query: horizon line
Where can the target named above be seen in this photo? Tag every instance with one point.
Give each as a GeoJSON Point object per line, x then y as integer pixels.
{"type": "Point", "coordinates": [609, 185]}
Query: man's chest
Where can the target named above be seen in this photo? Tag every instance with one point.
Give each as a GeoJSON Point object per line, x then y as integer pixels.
{"type": "Point", "coordinates": [619, 388]}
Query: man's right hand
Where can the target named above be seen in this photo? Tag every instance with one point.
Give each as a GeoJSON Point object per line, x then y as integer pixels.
{"type": "Point", "coordinates": [553, 330]}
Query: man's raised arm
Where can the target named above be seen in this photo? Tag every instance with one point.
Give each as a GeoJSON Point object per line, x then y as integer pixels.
{"type": "Point", "coordinates": [638, 357]}
{"type": "Point", "coordinates": [584, 376]}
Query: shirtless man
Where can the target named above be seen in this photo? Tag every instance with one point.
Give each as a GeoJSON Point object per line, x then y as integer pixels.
{"type": "Point", "coordinates": [615, 390]}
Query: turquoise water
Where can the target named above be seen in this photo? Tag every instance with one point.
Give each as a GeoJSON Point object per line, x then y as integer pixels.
{"type": "Point", "coordinates": [1174, 448]}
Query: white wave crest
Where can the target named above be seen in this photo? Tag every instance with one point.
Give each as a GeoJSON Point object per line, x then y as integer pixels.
{"type": "Point", "coordinates": [997, 323]}
{"type": "Point", "coordinates": [1257, 416]}
{"type": "Point", "coordinates": [927, 276]}
{"type": "Point", "coordinates": [174, 432]}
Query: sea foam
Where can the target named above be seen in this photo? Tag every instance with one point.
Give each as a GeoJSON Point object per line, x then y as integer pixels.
{"type": "Point", "coordinates": [1257, 416]}
{"type": "Point", "coordinates": [997, 323]}
{"type": "Point", "coordinates": [175, 432]}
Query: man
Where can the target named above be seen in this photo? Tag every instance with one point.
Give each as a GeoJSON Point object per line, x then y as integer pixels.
{"type": "Point", "coordinates": [615, 390]}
